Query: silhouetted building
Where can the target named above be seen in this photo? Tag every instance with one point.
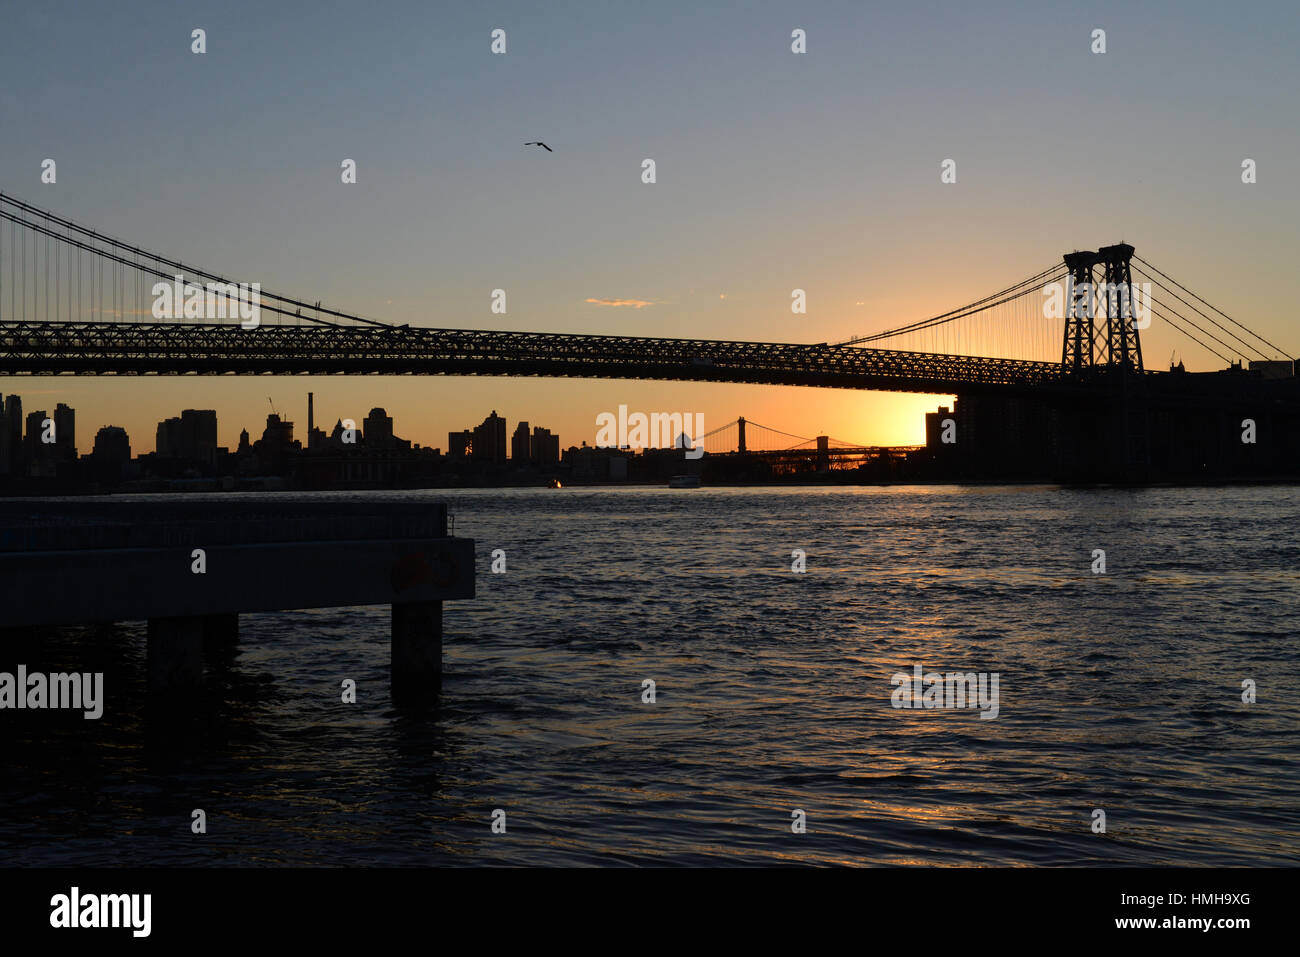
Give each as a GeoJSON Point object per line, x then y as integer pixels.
{"type": "Point", "coordinates": [111, 455]}
{"type": "Point", "coordinates": [545, 448]}
{"type": "Point", "coordinates": [596, 464]}
{"type": "Point", "coordinates": [38, 444]}
{"type": "Point", "coordinates": [934, 428]}
{"type": "Point", "coordinates": [993, 436]}
{"type": "Point", "coordinates": [278, 433]}
{"type": "Point", "coordinates": [276, 444]}
{"type": "Point", "coordinates": [112, 443]}
{"type": "Point", "coordinates": [459, 444]}
{"type": "Point", "coordinates": [1273, 368]}
{"type": "Point", "coordinates": [521, 446]}
{"type": "Point", "coordinates": [6, 454]}
{"type": "Point", "coordinates": [65, 433]}
{"type": "Point", "coordinates": [167, 438]}
{"type": "Point", "coordinates": [192, 436]}
{"type": "Point", "coordinates": [378, 430]}
{"type": "Point", "coordinates": [343, 438]}
{"type": "Point", "coordinates": [489, 441]}
{"type": "Point", "coordinates": [14, 425]}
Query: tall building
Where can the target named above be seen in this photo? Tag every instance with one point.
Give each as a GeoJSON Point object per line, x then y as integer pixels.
{"type": "Point", "coordinates": [378, 429]}
{"type": "Point", "coordinates": [459, 444]}
{"type": "Point", "coordinates": [111, 455]}
{"type": "Point", "coordinates": [489, 441]}
{"type": "Point", "coordinates": [276, 443]}
{"type": "Point", "coordinates": [4, 439]}
{"type": "Point", "coordinates": [17, 450]}
{"type": "Point", "coordinates": [521, 446]}
{"type": "Point", "coordinates": [191, 436]}
{"type": "Point", "coordinates": [38, 453]}
{"type": "Point", "coordinates": [65, 432]}
{"type": "Point", "coordinates": [35, 429]}
{"type": "Point", "coordinates": [13, 424]}
{"type": "Point", "coordinates": [112, 444]}
{"type": "Point", "coordinates": [167, 439]}
{"type": "Point", "coordinates": [546, 448]}
{"type": "Point", "coordinates": [278, 433]}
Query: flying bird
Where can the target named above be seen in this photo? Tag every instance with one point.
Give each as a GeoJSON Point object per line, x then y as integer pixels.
{"type": "Point", "coordinates": [542, 145]}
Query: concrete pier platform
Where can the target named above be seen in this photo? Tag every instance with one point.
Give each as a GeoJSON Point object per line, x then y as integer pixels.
{"type": "Point", "coordinates": [191, 567]}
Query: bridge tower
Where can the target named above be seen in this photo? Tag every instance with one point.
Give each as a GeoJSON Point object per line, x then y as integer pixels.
{"type": "Point", "coordinates": [1123, 349]}
{"type": "Point", "coordinates": [1085, 347]}
{"type": "Point", "coordinates": [1079, 351]}
{"type": "Point", "coordinates": [1115, 421]}
{"type": "Point", "coordinates": [740, 427]}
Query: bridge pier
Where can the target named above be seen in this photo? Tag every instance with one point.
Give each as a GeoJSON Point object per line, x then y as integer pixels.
{"type": "Point", "coordinates": [176, 646]}
{"type": "Point", "coordinates": [174, 655]}
{"type": "Point", "coordinates": [221, 632]}
{"type": "Point", "coordinates": [416, 653]}
{"type": "Point", "coordinates": [123, 561]}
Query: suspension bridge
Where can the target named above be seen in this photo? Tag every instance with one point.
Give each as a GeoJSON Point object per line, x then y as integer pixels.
{"type": "Point", "coordinates": [74, 300]}
{"type": "Point", "coordinates": [744, 435]}
{"type": "Point", "coordinates": [744, 442]}
{"type": "Point", "coordinates": [1051, 367]}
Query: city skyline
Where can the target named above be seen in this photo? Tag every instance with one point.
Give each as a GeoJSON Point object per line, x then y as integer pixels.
{"type": "Point", "coordinates": [32, 419]}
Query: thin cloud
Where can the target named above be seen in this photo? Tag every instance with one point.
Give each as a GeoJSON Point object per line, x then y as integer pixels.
{"type": "Point", "coordinates": [634, 303]}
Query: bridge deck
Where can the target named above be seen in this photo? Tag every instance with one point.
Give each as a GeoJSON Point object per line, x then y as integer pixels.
{"type": "Point", "coordinates": [176, 348]}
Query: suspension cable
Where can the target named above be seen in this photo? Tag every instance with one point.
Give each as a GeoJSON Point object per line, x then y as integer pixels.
{"type": "Point", "coordinates": [1012, 292]}
{"type": "Point", "coordinates": [1217, 325]}
{"type": "Point", "coordinates": [1272, 345]}
{"type": "Point", "coordinates": [1192, 337]}
{"type": "Point", "coordinates": [171, 264]}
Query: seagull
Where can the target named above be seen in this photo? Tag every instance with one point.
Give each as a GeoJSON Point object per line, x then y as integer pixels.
{"type": "Point", "coordinates": [542, 145]}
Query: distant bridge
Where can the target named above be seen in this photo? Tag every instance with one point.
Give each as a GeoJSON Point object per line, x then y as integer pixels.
{"type": "Point", "coordinates": [742, 440]}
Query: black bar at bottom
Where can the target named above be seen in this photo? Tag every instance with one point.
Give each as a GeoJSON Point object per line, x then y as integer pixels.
{"type": "Point", "coordinates": [943, 908]}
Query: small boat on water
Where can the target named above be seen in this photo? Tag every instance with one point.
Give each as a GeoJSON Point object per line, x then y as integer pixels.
{"type": "Point", "coordinates": [684, 481]}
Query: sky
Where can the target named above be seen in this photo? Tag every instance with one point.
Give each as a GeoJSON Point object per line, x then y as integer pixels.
{"type": "Point", "coordinates": [775, 171]}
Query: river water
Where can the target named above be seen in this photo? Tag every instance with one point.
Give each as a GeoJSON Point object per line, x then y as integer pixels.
{"type": "Point", "coordinates": [1118, 691]}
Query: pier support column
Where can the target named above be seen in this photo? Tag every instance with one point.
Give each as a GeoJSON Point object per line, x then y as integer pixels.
{"type": "Point", "coordinates": [416, 652]}
{"type": "Point", "coordinates": [221, 631]}
{"type": "Point", "coordinates": [175, 654]}
{"type": "Point", "coordinates": [221, 639]}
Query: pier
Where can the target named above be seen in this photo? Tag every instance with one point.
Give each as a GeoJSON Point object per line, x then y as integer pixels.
{"type": "Point", "coordinates": [190, 568]}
